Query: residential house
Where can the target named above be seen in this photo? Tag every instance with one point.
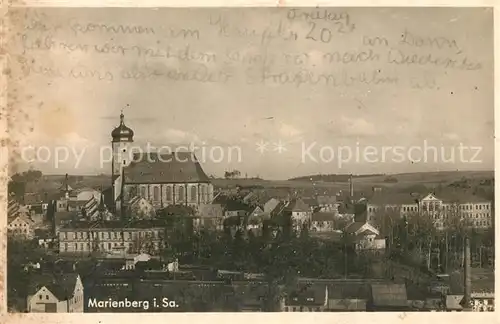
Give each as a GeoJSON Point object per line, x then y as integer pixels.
{"type": "Point", "coordinates": [210, 217]}
{"type": "Point", "coordinates": [109, 236]}
{"type": "Point", "coordinates": [19, 224]}
{"type": "Point", "coordinates": [307, 297]}
{"type": "Point", "coordinates": [364, 236]}
{"type": "Point", "coordinates": [348, 296]}
{"type": "Point", "coordinates": [139, 208]}
{"type": "Point", "coordinates": [235, 208]}
{"type": "Point", "coordinates": [483, 301]}
{"type": "Point", "coordinates": [63, 218]}
{"type": "Point", "coordinates": [84, 194]}
{"type": "Point", "coordinates": [44, 238]}
{"type": "Point", "coordinates": [56, 294]}
{"type": "Point", "coordinates": [472, 210]}
{"type": "Point", "coordinates": [299, 212]}
{"type": "Point", "coordinates": [250, 296]}
{"type": "Point", "coordinates": [323, 221]}
{"type": "Point", "coordinates": [328, 204]}
{"type": "Point", "coordinates": [270, 205]}
{"type": "Point", "coordinates": [388, 297]}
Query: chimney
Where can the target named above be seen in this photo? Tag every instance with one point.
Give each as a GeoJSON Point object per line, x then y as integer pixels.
{"type": "Point", "coordinates": [351, 187]}
{"type": "Point", "coordinates": [467, 274]}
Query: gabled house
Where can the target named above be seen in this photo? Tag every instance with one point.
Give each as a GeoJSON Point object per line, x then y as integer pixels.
{"type": "Point", "coordinates": [323, 222]}
{"type": "Point", "coordinates": [139, 208]}
{"type": "Point", "coordinates": [328, 204]}
{"type": "Point", "coordinates": [307, 298]}
{"type": "Point", "coordinates": [209, 216]}
{"type": "Point", "coordinates": [20, 226]}
{"type": "Point", "coordinates": [299, 212]}
{"type": "Point", "coordinates": [348, 296]}
{"type": "Point", "coordinates": [364, 236]}
{"type": "Point", "coordinates": [388, 297]}
{"type": "Point", "coordinates": [56, 294]}
{"type": "Point", "coordinates": [270, 205]}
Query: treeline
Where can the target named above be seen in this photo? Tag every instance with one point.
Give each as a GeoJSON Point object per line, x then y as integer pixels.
{"type": "Point", "coordinates": [332, 177]}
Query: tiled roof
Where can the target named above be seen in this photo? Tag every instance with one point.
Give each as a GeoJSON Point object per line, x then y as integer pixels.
{"type": "Point", "coordinates": [327, 200]}
{"type": "Point", "coordinates": [323, 216]}
{"type": "Point", "coordinates": [297, 205]}
{"type": "Point", "coordinates": [62, 286]}
{"type": "Point", "coordinates": [180, 167]}
{"type": "Point", "coordinates": [210, 210]}
{"type": "Point", "coordinates": [453, 302]}
{"type": "Point", "coordinates": [387, 295]}
{"type": "Point", "coordinates": [349, 290]}
{"type": "Point", "coordinates": [250, 294]}
{"type": "Point", "coordinates": [64, 216]}
{"type": "Point", "coordinates": [307, 295]}
{"type": "Point", "coordinates": [235, 205]}
{"type": "Point", "coordinates": [118, 225]}
{"type": "Point", "coordinates": [457, 196]}
{"type": "Point", "coordinates": [392, 198]}
{"type": "Point", "coordinates": [353, 227]}
{"type": "Point", "coordinates": [13, 209]}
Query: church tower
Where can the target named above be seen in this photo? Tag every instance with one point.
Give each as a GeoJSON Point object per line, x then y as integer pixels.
{"type": "Point", "coordinates": [122, 138]}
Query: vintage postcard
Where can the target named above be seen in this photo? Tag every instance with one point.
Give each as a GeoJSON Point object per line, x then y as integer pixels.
{"type": "Point", "coordinates": [258, 159]}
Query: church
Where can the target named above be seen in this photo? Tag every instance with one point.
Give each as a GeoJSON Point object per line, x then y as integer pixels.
{"type": "Point", "coordinates": [161, 179]}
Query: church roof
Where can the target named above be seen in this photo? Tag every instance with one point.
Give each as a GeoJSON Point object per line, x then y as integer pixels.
{"type": "Point", "coordinates": [179, 167]}
{"type": "Point", "coordinates": [122, 132]}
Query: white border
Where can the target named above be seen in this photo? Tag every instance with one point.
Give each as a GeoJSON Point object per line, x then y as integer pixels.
{"type": "Point", "coordinates": [231, 318]}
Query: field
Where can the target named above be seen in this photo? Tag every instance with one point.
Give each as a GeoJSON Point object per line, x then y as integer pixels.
{"type": "Point", "coordinates": [423, 180]}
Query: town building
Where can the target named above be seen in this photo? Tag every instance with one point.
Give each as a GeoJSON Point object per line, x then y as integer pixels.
{"type": "Point", "coordinates": [56, 294]}
{"type": "Point", "coordinates": [307, 298]}
{"type": "Point", "coordinates": [474, 211]}
{"type": "Point", "coordinates": [364, 236]}
{"type": "Point", "coordinates": [299, 212]}
{"type": "Point", "coordinates": [163, 179]}
{"type": "Point", "coordinates": [19, 224]}
{"type": "Point", "coordinates": [111, 236]}
{"type": "Point", "coordinates": [323, 222]}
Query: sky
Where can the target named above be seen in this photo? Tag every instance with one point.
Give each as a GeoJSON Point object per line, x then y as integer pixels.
{"type": "Point", "coordinates": [286, 124]}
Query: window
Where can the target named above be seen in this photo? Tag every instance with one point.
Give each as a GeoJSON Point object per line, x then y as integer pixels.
{"type": "Point", "coordinates": [194, 194]}
{"type": "Point", "coordinates": [181, 193]}
{"type": "Point", "coordinates": [76, 246]}
{"type": "Point", "coordinates": [39, 296]}
{"type": "Point", "coordinates": [169, 193]}
{"type": "Point", "coordinates": [156, 194]}
{"type": "Point", "coordinates": [203, 193]}
{"type": "Point", "coordinates": [65, 246]}
{"type": "Point", "coordinates": [47, 297]}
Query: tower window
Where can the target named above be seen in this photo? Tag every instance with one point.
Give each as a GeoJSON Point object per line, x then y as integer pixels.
{"type": "Point", "coordinates": [124, 150]}
{"type": "Point", "coordinates": [124, 162]}
{"type": "Point", "coordinates": [181, 193]}
{"type": "Point", "coordinates": [169, 193]}
{"type": "Point", "coordinates": [156, 194]}
{"type": "Point", "coordinates": [194, 194]}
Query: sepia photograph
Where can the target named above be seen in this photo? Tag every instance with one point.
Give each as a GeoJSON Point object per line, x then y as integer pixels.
{"type": "Point", "coordinates": [251, 159]}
